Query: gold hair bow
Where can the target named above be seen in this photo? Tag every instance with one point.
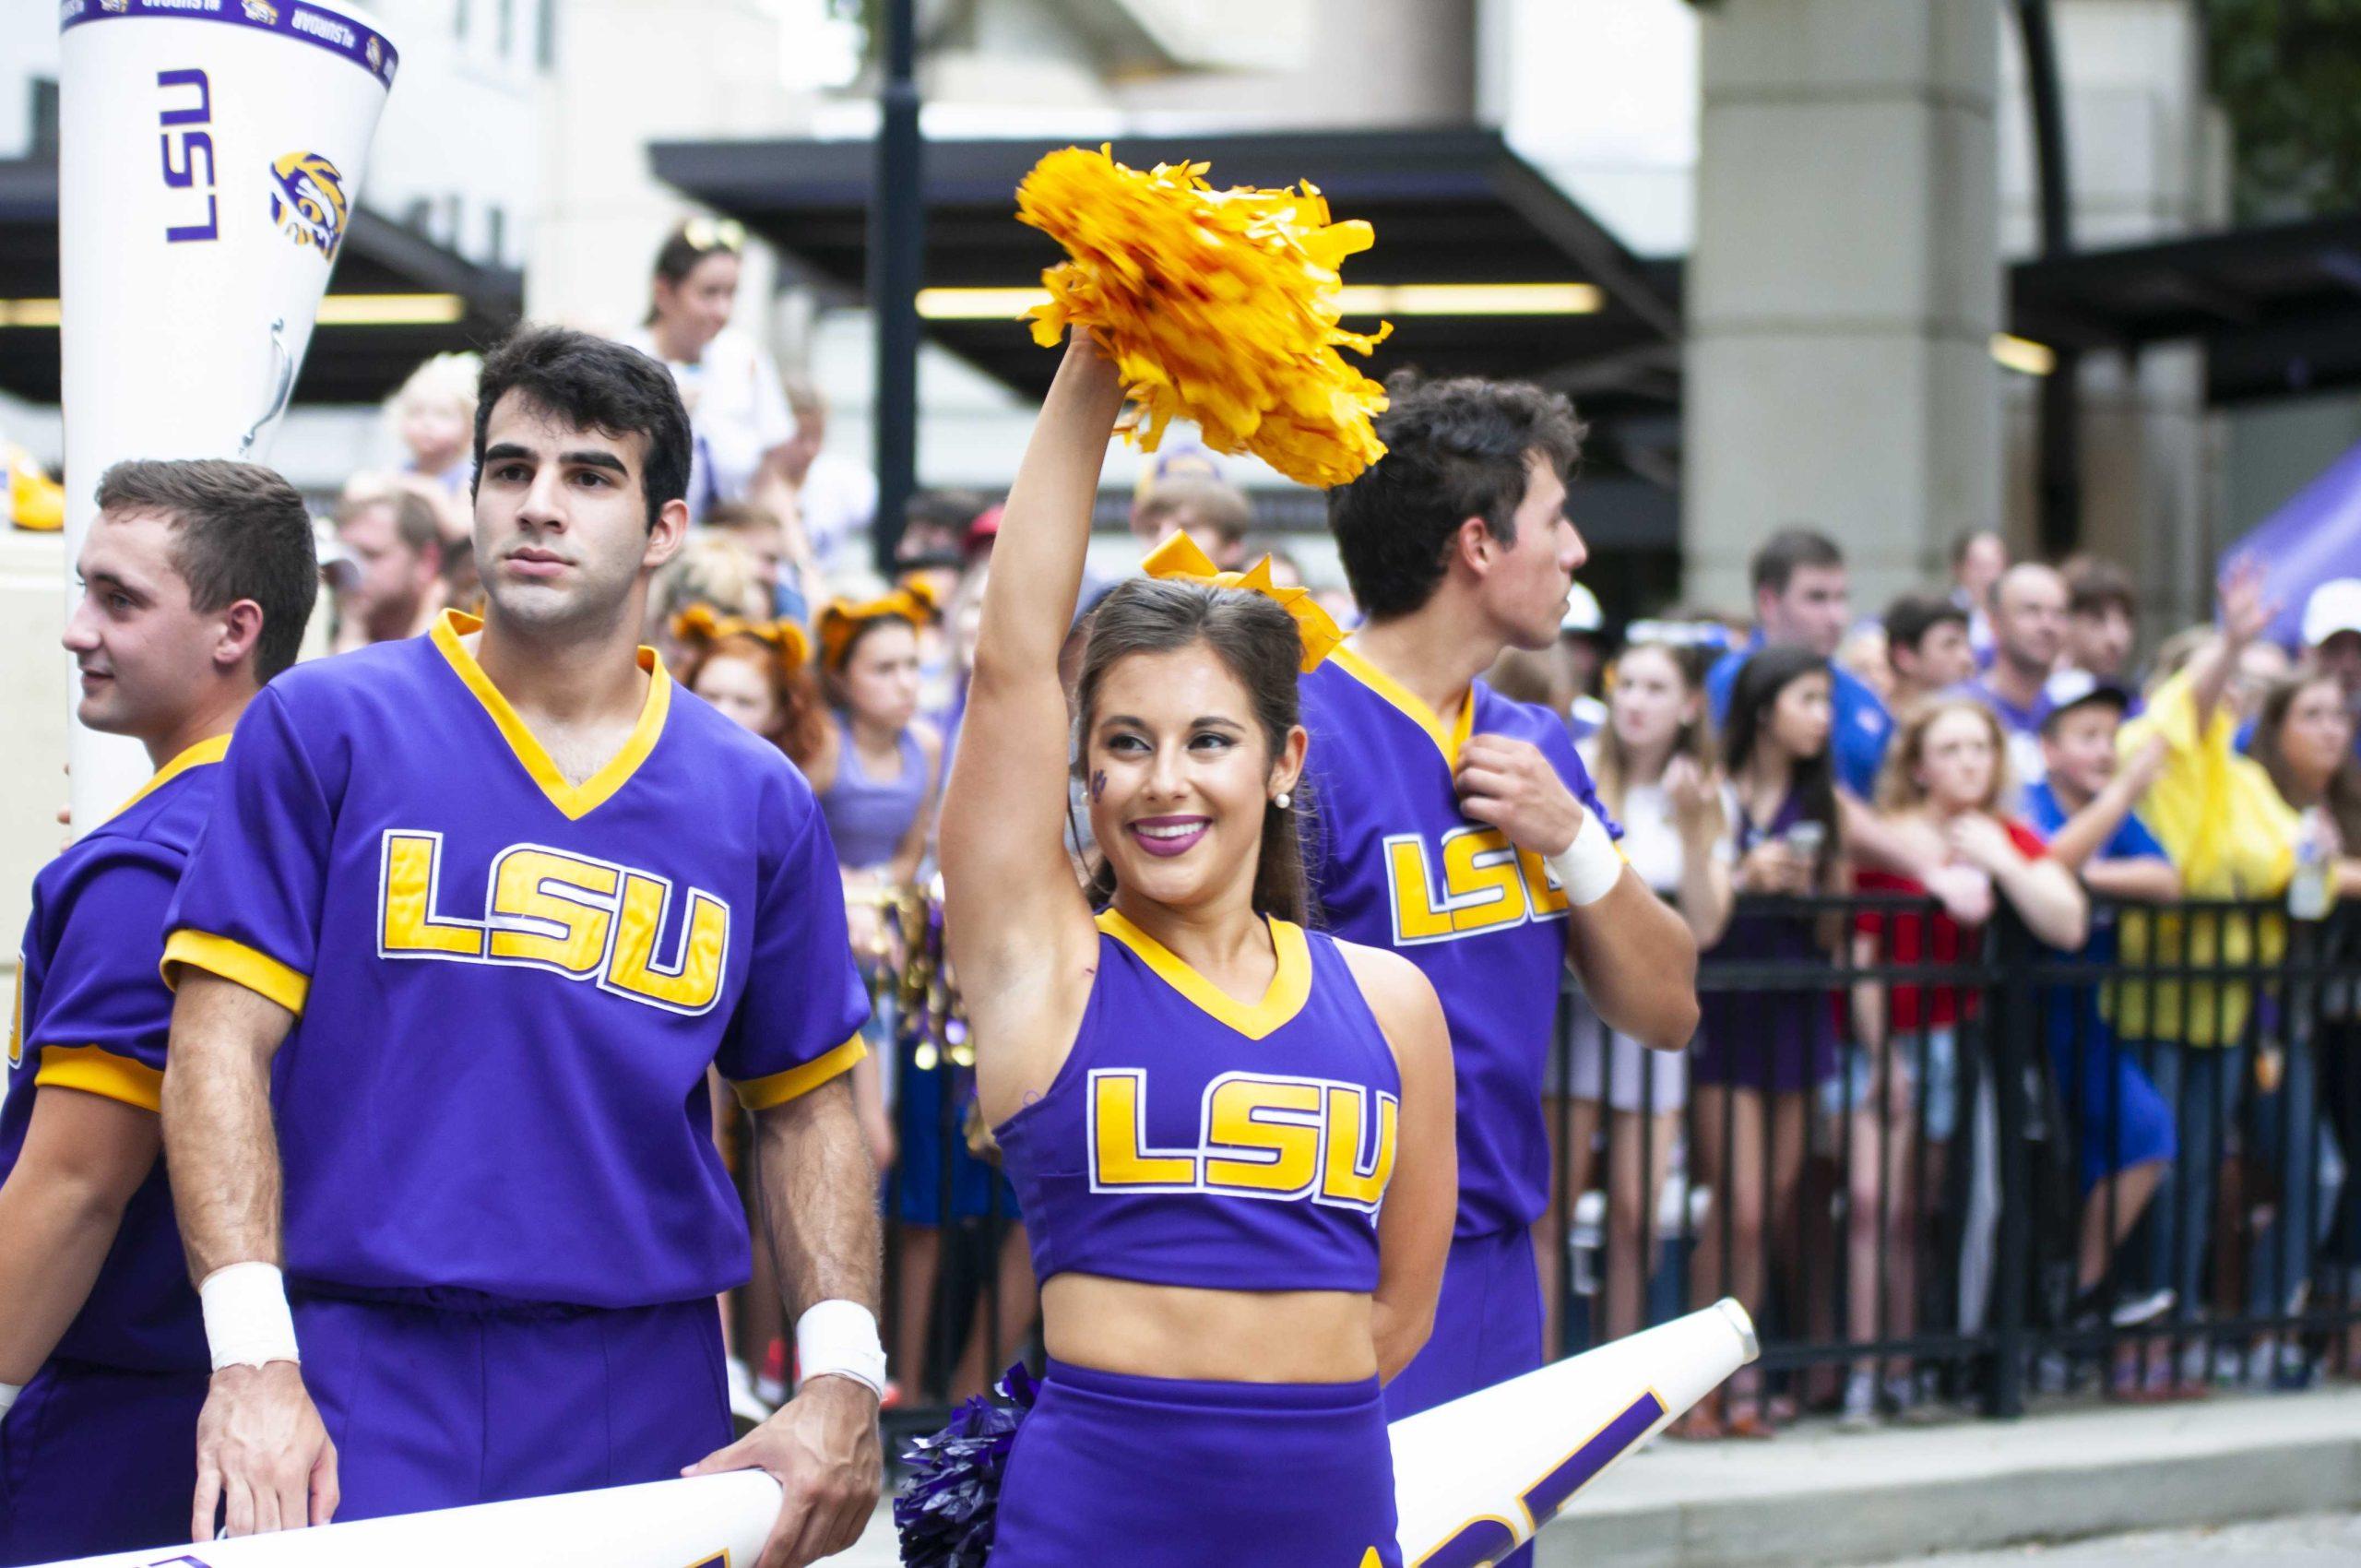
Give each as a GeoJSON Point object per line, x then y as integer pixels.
{"type": "Point", "coordinates": [698, 622]}
{"type": "Point", "coordinates": [1178, 559]}
{"type": "Point", "coordinates": [914, 601]}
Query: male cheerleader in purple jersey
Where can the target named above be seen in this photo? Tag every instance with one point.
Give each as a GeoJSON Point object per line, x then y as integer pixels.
{"type": "Point", "coordinates": [1460, 830]}
{"type": "Point", "coordinates": [196, 580]}
{"type": "Point", "coordinates": [1230, 1136]}
{"type": "Point", "coordinates": [471, 917]}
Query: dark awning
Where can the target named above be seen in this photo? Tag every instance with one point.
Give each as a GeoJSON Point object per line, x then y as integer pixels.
{"type": "Point", "coordinates": [408, 298]}
{"type": "Point", "coordinates": [1449, 205]}
{"type": "Point", "coordinates": [2277, 307]}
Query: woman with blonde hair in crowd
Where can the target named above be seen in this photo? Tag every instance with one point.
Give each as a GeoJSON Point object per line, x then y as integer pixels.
{"type": "Point", "coordinates": [1764, 1054]}
{"type": "Point", "coordinates": [711, 570]}
{"type": "Point", "coordinates": [1654, 764]}
{"type": "Point", "coordinates": [1945, 773]}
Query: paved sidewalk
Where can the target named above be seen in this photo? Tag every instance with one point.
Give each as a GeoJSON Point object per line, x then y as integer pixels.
{"type": "Point", "coordinates": [1817, 1496]}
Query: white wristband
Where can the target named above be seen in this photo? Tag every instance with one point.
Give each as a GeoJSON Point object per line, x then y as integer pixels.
{"type": "Point", "coordinates": [247, 1323]}
{"type": "Point", "coordinates": [838, 1338]}
{"type": "Point", "coordinates": [8, 1392]}
{"type": "Point", "coordinates": [1588, 868]}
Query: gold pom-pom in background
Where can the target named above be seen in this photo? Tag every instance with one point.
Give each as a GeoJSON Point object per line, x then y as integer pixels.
{"type": "Point", "coordinates": [1218, 306]}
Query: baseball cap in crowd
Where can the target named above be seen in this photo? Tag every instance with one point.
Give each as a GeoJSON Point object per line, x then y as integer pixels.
{"type": "Point", "coordinates": [2070, 689]}
{"type": "Point", "coordinates": [2334, 606]}
{"type": "Point", "coordinates": [1176, 460]}
{"type": "Point", "coordinates": [1582, 615]}
{"type": "Point", "coordinates": [983, 530]}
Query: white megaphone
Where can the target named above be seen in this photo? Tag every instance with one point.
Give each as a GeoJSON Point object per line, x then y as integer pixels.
{"type": "Point", "coordinates": [1473, 1478]}
{"type": "Point", "coordinates": [210, 156]}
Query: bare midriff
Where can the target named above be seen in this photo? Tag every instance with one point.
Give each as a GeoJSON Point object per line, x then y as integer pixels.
{"type": "Point", "coordinates": [1209, 1335]}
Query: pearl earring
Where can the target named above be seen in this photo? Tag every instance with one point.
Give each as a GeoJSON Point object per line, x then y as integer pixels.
{"type": "Point", "coordinates": [1283, 800]}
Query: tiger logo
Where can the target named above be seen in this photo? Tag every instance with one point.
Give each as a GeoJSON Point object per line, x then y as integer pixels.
{"type": "Point", "coordinates": [307, 202]}
{"type": "Point", "coordinates": [261, 11]}
{"type": "Point", "coordinates": [119, 8]}
{"type": "Point", "coordinates": [377, 53]}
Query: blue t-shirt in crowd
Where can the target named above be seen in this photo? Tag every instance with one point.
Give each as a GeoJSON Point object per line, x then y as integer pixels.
{"type": "Point", "coordinates": [1861, 729]}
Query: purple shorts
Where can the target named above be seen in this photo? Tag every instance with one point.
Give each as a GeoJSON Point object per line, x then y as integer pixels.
{"type": "Point", "coordinates": [434, 1407]}
{"type": "Point", "coordinates": [1488, 1330]}
{"type": "Point", "coordinates": [96, 1459]}
{"type": "Point", "coordinates": [1157, 1472]}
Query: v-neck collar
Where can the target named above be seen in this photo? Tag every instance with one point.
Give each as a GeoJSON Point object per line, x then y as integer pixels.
{"type": "Point", "coordinates": [1290, 982]}
{"type": "Point", "coordinates": [1411, 706]}
{"type": "Point", "coordinates": [575, 800]}
{"type": "Point", "coordinates": [211, 749]}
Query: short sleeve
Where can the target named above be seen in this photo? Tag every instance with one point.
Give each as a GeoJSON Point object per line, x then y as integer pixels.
{"type": "Point", "coordinates": [774, 423]}
{"type": "Point", "coordinates": [103, 1011]}
{"type": "Point", "coordinates": [2031, 844]}
{"type": "Point", "coordinates": [2134, 841]}
{"type": "Point", "coordinates": [248, 908]}
{"type": "Point", "coordinates": [798, 1021]}
{"type": "Point", "coordinates": [1559, 747]}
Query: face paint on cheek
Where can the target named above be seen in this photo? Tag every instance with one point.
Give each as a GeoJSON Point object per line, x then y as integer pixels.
{"type": "Point", "coordinates": [1097, 786]}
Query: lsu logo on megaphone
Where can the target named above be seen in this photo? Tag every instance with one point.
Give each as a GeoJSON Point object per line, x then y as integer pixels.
{"type": "Point", "coordinates": [307, 202]}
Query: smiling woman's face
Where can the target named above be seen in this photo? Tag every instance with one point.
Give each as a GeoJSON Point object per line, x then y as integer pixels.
{"type": "Point", "coordinates": [1178, 775]}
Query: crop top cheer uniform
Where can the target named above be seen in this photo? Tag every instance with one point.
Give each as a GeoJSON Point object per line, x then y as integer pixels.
{"type": "Point", "coordinates": [1191, 1139]}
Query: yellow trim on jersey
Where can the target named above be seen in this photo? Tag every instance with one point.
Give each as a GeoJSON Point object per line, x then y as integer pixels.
{"type": "Point", "coordinates": [257, 971]}
{"type": "Point", "coordinates": [97, 1071]}
{"type": "Point", "coordinates": [575, 801]}
{"type": "Point", "coordinates": [213, 748]}
{"type": "Point", "coordinates": [1414, 709]}
{"type": "Point", "coordinates": [761, 1094]}
{"type": "Point", "coordinates": [1290, 983]}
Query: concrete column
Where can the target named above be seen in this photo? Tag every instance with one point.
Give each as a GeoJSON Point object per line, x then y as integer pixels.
{"type": "Point", "coordinates": [1844, 288]}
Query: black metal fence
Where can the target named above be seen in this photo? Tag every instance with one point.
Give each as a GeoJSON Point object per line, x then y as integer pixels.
{"type": "Point", "coordinates": [1942, 1174]}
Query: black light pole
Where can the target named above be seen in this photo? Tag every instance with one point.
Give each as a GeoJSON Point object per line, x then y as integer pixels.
{"type": "Point", "coordinates": [897, 256]}
{"type": "Point", "coordinates": [2059, 465]}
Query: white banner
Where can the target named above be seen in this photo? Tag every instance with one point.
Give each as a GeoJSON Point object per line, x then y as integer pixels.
{"type": "Point", "coordinates": [210, 157]}
{"type": "Point", "coordinates": [1472, 1479]}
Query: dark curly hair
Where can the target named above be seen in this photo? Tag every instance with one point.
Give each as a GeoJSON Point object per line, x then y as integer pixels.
{"type": "Point", "coordinates": [1455, 450]}
{"type": "Point", "coordinates": [594, 384]}
{"type": "Point", "coordinates": [1258, 643]}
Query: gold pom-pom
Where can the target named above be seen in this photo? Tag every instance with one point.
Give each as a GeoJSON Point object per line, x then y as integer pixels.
{"type": "Point", "coordinates": [1216, 306]}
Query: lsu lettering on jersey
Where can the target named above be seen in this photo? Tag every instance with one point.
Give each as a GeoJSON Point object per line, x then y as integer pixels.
{"type": "Point", "coordinates": [1398, 865]}
{"type": "Point", "coordinates": [507, 987]}
{"type": "Point", "coordinates": [92, 1015]}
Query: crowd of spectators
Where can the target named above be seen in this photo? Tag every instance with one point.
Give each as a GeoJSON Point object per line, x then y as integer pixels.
{"type": "Point", "coordinates": [1825, 796]}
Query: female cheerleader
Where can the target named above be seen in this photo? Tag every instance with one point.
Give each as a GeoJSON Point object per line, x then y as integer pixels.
{"type": "Point", "coordinates": [1231, 1137]}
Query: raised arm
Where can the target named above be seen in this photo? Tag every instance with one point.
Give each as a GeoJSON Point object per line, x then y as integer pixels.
{"type": "Point", "coordinates": [262, 1454]}
{"type": "Point", "coordinates": [2244, 613]}
{"type": "Point", "coordinates": [1015, 920]}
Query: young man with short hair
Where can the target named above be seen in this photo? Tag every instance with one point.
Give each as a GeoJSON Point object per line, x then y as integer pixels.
{"type": "Point", "coordinates": [393, 567]}
{"type": "Point", "coordinates": [473, 915]}
{"type": "Point", "coordinates": [2102, 619]}
{"type": "Point", "coordinates": [2028, 634]}
{"type": "Point", "coordinates": [1802, 598]}
{"type": "Point", "coordinates": [1461, 829]}
{"type": "Point", "coordinates": [1926, 647]}
{"type": "Point", "coordinates": [197, 580]}
{"type": "Point", "coordinates": [1216, 515]}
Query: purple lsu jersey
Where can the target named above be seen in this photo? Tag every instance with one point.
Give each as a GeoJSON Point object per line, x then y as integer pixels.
{"type": "Point", "coordinates": [1191, 1139]}
{"type": "Point", "coordinates": [92, 1015]}
{"type": "Point", "coordinates": [508, 987]}
{"type": "Point", "coordinates": [1398, 865]}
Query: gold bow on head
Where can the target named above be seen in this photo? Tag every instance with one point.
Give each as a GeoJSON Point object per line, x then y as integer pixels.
{"type": "Point", "coordinates": [700, 624]}
{"type": "Point", "coordinates": [914, 601]}
{"type": "Point", "coordinates": [1178, 559]}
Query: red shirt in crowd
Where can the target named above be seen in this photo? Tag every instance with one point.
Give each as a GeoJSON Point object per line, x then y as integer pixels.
{"type": "Point", "coordinates": [1928, 939]}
